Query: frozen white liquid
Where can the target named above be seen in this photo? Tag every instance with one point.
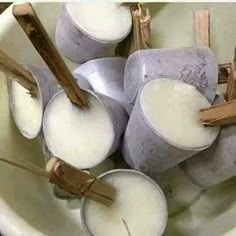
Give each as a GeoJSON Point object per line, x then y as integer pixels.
{"type": "Point", "coordinates": [139, 202]}
{"type": "Point", "coordinates": [81, 137]}
{"type": "Point", "coordinates": [27, 111]}
{"type": "Point", "coordinates": [171, 108]}
{"type": "Point", "coordinates": [107, 22]}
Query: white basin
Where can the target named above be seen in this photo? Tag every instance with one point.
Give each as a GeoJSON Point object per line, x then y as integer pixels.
{"type": "Point", "coordinates": [27, 205]}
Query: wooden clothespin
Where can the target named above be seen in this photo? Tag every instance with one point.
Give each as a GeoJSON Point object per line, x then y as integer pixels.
{"type": "Point", "coordinates": [219, 115]}
{"type": "Point", "coordinates": [231, 85]}
{"type": "Point", "coordinates": [224, 114]}
{"type": "Point", "coordinates": [15, 71]}
{"type": "Point", "coordinates": [32, 26]}
{"type": "Point", "coordinates": [79, 182]}
{"type": "Point", "coordinates": [141, 27]}
{"type": "Point", "coordinates": [140, 34]}
{"type": "Point", "coordinates": [74, 181]}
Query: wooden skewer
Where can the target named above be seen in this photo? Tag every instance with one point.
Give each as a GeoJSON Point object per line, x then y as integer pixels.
{"type": "Point", "coordinates": [20, 163]}
{"type": "Point", "coordinates": [202, 27]}
{"type": "Point", "coordinates": [32, 26]}
{"type": "Point", "coordinates": [72, 180]}
{"type": "Point", "coordinates": [18, 73]}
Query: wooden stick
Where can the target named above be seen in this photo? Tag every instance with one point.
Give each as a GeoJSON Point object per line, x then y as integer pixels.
{"type": "Point", "coordinates": [223, 114]}
{"type": "Point", "coordinates": [202, 27]}
{"type": "Point", "coordinates": [30, 23]}
{"type": "Point", "coordinates": [18, 73]}
{"type": "Point", "coordinates": [22, 164]}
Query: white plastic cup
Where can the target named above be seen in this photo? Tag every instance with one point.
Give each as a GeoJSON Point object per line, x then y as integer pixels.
{"type": "Point", "coordinates": [146, 150]}
{"type": "Point", "coordinates": [115, 112]}
{"type": "Point", "coordinates": [47, 87]}
{"type": "Point", "coordinates": [131, 176]}
{"type": "Point", "coordinates": [76, 44]}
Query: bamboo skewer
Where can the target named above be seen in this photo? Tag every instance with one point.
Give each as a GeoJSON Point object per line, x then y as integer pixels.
{"type": "Point", "coordinates": [26, 166]}
{"type": "Point", "coordinates": [18, 73]}
{"type": "Point", "coordinates": [30, 23]}
{"type": "Point", "coordinates": [72, 180]}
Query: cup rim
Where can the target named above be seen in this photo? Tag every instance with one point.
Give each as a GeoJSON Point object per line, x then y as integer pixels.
{"type": "Point", "coordinates": [89, 35]}
{"type": "Point", "coordinates": [198, 149]}
{"type": "Point", "coordinates": [101, 103]}
{"type": "Point", "coordinates": [9, 85]}
{"type": "Point", "coordinates": [164, 201]}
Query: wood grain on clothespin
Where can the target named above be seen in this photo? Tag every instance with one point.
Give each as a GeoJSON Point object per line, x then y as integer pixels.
{"type": "Point", "coordinates": [15, 71]}
{"type": "Point", "coordinates": [74, 181]}
{"type": "Point", "coordinates": [219, 115]}
{"type": "Point", "coordinates": [223, 73]}
{"type": "Point", "coordinates": [32, 26]}
{"type": "Point", "coordinates": [224, 114]}
{"type": "Point", "coordinates": [231, 85]}
{"type": "Point", "coordinates": [202, 27]}
{"type": "Point", "coordinates": [140, 29]}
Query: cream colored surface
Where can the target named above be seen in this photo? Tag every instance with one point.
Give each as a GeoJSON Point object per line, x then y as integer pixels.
{"type": "Point", "coordinates": [27, 110]}
{"type": "Point", "coordinates": [81, 137]}
{"type": "Point", "coordinates": [138, 202]}
{"type": "Point", "coordinates": [99, 20]}
{"type": "Point", "coordinates": [171, 108]}
{"type": "Point", "coordinates": [27, 206]}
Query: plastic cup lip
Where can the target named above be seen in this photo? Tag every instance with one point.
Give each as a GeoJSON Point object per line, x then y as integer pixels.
{"type": "Point", "coordinates": [25, 134]}
{"type": "Point", "coordinates": [46, 136]}
{"type": "Point", "coordinates": [90, 35]}
{"type": "Point", "coordinates": [102, 59]}
{"type": "Point", "coordinates": [164, 202]}
{"type": "Point", "coordinates": [198, 149]}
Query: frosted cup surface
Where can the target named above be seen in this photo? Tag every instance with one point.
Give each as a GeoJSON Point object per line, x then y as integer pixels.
{"type": "Point", "coordinates": [164, 128]}
{"type": "Point", "coordinates": [27, 111]}
{"type": "Point", "coordinates": [83, 137]}
{"type": "Point", "coordinates": [195, 66]}
{"type": "Point", "coordinates": [85, 30]}
{"type": "Point", "coordinates": [217, 163]}
{"type": "Point", "coordinates": [139, 206]}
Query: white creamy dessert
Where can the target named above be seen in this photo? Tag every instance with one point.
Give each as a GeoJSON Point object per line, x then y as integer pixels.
{"type": "Point", "coordinates": [27, 110]}
{"type": "Point", "coordinates": [139, 207]}
{"type": "Point", "coordinates": [108, 22]}
{"type": "Point", "coordinates": [81, 137]}
{"type": "Point", "coordinates": [171, 108]}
